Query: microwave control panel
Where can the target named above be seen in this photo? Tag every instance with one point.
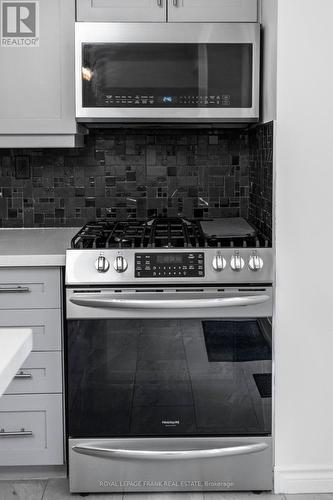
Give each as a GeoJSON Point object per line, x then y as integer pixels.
{"type": "Point", "coordinates": [120, 100]}
{"type": "Point", "coordinates": [170, 265]}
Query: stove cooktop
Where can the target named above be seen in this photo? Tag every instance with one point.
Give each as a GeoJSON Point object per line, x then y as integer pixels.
{"type": "Point", "coordinates": [160, 233]}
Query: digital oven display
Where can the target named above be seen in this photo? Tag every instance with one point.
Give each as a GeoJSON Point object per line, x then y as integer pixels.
{"type": "Point", "coordinates": [169, 259]}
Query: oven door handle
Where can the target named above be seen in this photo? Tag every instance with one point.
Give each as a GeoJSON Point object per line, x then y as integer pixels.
{"type": "Point", "coordinates": [248, 300]}
{"type": "Point", "coordinates": [118, 453]}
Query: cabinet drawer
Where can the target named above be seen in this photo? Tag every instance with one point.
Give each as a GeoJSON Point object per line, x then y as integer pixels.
{"type": "Point", "coordinates": [31, 430]}
{"type": "Point", "coordinates": [45, 325]}
{"type": "Point", "coordinates": [29, 288]}
{"type": "Point", "coordinates": [41, 373]}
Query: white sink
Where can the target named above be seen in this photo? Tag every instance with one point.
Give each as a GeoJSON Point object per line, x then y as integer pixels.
{"type": "Point", "coordinates": [15, 346]}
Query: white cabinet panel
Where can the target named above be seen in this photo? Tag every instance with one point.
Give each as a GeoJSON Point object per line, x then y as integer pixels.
{"type": "Point", "coordinates": [31, 430]}
{"type": "Point", "coordinates": [212, 11]}
{"type": "Point", "coordinates": [29, 288]}
{"type": "Point", "coordinates": [37, 83]}
{"type": "Point", "coordinates": [40, 373]}
{"type": "Point", "coordinates": [121, 10]}
{"type": "Point", "coordinates": [45, 325]}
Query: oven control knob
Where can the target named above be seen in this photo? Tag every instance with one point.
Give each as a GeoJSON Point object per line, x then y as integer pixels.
{"type": "Point", "coordinates": [102, 264]}
{"type": "Point", "coordinates": [219, 263]}
{"type": "Point", "coordinates": [120, 264]}
{"type": "Point", "coordinates": [237, 262]}
{"type": "Point", "coordinates": [256, 263]}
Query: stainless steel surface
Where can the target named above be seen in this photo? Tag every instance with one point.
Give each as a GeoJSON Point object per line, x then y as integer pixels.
{"type": "Point", "coordinates": [103, 450]}
{"type": "Point", "coordinates": [80, 267]}
{"type": "Point", "coordinates": [14, 289]}
{"type": "Point", "coordinates": [102, 264]}
{"type": "Point", "coordinates": [241, 471]}
{"type": "Point", "coordinates": [219, 263]}
{"type": "Point", "coordinates": [256, 263]}
{"type": "Point", "coordinates": [168, 33]}
{"type": "Point", "coordinates": [237, 262]}
{"type": "Point", "coordinates": [184, 303]}
{"type": "Point", "coordinates": [21, 433]}
{"type": "Point", "coordinates": [159, 3]}
{"type": "Point", "coordinates": [105, 302]}
{"type": "Point", "coordinates": [175, 3]}
{"type": "Point", "coordinates": [23, 375]}
{"type": "Point", "coordinates": [120, 264]}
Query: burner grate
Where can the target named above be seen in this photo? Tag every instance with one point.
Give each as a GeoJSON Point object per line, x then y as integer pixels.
{"type": "Point", "coordinates": [156, 233]}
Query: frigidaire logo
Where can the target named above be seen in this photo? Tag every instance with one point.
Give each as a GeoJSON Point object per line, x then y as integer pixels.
{"type": "Point", "coordinates": [19, 23]}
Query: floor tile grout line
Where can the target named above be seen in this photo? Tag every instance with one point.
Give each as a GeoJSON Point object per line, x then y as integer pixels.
{"type": "Point", "coordinates": [46, 483]}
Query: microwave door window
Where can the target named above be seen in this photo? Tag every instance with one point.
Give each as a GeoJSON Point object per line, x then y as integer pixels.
{"type": "Point", "coordinates": [138, 74]}
{"type": "Point", "coordinates": [167, 75]}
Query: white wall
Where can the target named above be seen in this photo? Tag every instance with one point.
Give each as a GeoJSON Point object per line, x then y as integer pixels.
{"type": "Point", "coordinates": [304, 232]}
{"type": "Point", "coordinates": [268, 20]}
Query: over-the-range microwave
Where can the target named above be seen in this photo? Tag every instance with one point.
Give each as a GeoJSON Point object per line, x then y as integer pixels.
{"type": "Point", "coordinates": [174, 72]}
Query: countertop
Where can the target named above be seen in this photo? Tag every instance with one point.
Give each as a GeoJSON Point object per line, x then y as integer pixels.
{"type": "Point", "coordinates": [35, 247]}
{"type": "Point", "coordinates": [15, 346]}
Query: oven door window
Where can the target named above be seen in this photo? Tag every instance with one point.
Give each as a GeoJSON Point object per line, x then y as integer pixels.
{"type": "Point", "coordinates": [167, 75]}
{"type": "Point", "coordinates": [169, 377]}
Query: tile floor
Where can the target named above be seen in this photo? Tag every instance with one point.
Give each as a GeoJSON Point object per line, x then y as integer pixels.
{"type": "Point", "coordinates": [57, 489]}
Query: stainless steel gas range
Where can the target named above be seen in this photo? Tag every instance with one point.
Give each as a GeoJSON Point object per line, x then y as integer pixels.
{"type": "Point", "coordinates": [169, 352]}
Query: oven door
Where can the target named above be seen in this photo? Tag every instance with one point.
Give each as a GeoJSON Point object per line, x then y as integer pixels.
{"type": "Point", "coordinates": [167, 72]}
{"type": "Point", "coordinates": [190, 365]}
{"type": "Point", "coordinates": [169, 362]}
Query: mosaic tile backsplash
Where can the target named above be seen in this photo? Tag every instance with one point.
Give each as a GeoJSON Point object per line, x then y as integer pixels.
{"type": "Point", "coordinates": [125, 173]}
{"type": "Point", "coordinates": [261, 178]}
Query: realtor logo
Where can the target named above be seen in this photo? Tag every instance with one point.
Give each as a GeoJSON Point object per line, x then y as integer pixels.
{"type": "Point", "coordinates": [19, 23]}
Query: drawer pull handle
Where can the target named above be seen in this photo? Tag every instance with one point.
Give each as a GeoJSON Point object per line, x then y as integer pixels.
{"type": "Point", "coordinates": [21, 433]}
{"type": "Point", "coordinates": [23, 374]}
{"type": "Point", "coordinates": [14, 289]}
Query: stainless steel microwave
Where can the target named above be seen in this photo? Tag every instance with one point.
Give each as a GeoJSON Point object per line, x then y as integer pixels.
{"type": "Point", "coordinates": [175, 72]}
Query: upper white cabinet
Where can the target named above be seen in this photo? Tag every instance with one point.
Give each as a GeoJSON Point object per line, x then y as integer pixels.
{"type": "Point", "coordinates": [121, 10]}
{"type": "Point", "coordinates": [167, 10]}
{"type": "Point", "coordinates": [37, 100]}
{"type": "Point", "coordinates": [210, 11]}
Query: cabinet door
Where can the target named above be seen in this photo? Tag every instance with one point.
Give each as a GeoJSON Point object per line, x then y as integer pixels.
{"type": "Point", "coordinates": [31, 429]}
{"type": "Point", "coordinates": [37, 82]}
{"type": "Point", "coordinates": [122, 10]}
{"type": "Point", "coordinates": [210, 11]}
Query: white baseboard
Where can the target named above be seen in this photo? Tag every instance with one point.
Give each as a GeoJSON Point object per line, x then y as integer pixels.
{"type": "Point", "coordinates": [303, 480]}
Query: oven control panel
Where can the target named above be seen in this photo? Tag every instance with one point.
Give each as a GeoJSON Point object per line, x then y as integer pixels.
{"type": "Point", "coordinates": [170, 265]}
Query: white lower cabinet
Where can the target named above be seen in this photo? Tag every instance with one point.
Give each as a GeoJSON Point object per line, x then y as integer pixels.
{"type": "Point", "coordinates": [31, 411]}
{"type": "Point", "coordinates": [31, 429]}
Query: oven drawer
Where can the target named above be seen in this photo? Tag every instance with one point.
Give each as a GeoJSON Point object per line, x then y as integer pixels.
{"type": "Point", "coordinates": [31, 430]}
{"type": "Point", "coordinates": [45, 325]}
{"type": "Point", "coordinates": [29, 288]}
{"type": "Point", "coordinates": [176, 464]}
{"type": "Point", "coordinates": [41, 373]}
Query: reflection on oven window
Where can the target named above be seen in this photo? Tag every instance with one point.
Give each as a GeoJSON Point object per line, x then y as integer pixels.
{"type": "Point", "coordinates": [140, 377]}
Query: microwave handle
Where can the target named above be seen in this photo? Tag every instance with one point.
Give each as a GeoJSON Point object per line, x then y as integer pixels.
{"type": "Point", "coordinates": [249, 300]}
{"type": "Point", "coordinates": [118, 453]}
